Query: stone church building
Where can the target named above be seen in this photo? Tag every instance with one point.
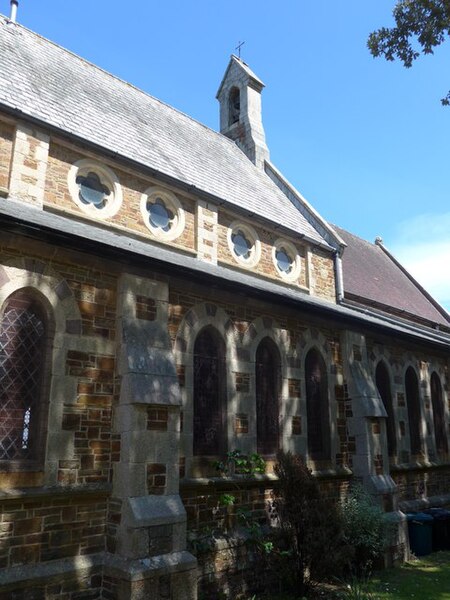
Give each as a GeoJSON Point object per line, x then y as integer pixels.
{"type": "Point", "coordinates": [166, 296]}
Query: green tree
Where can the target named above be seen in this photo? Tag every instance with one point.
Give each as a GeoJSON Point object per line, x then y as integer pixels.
{"type": "Point", "coordinates": [420, 26]}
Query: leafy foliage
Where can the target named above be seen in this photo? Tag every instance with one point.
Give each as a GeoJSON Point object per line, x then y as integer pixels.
{"type": "Point", "coordinates": [419, 24]}
{"type": "Point", "coordinates": [311, 523]}
{"type": "Point", "coordinates": [237, 463]}
{"type": "Point", "coordinates": [365, 529]}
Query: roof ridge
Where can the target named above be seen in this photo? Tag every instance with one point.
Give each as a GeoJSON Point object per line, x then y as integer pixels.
{"type": "Point", "coordinates": [116, 77]}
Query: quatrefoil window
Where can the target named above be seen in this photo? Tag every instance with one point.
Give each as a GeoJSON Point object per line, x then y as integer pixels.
{"type": "Point", "coordinates": [162, 213]}
{"type": "Point", "coordinates": [285, 262]}
{"type": "Point", "coordinates": [242, 246]}
{"type": "Point", "coordinates": [160, 216]}
{"type": "Point", "coordinates": [92, 190]}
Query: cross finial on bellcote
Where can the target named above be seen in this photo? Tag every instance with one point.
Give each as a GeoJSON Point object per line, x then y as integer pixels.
{"type": "Point", "coordinates": [238, 48]}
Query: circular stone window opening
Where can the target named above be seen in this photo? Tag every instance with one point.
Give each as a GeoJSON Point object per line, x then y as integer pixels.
{"type": "Point", "coordinates": [286, 260]}
{"type": "Point", "coordinates": [94, 188]}
{"type": "Point", "coordinates": [162, 213]}
{"type": "Point", "coordinates": [244, 244]}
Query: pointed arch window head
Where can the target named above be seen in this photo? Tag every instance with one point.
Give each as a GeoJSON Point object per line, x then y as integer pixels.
{"type": "Point", "coordinates": [383, 384]}
{"type": "Point", "coordinates": [317, 406]}
{"type": "Point", "coordinates": [413, 403]}
{"type": "Point", "coordinates": [23, 340]}
{"type": "Point", "coordinates": [234, 106]}
{"type": "Point", "coordinates": [209, 427]}
{"type": "Point", "coordinates": [437, 401]}
{"type": "Point", "coordinates": [268, 380]}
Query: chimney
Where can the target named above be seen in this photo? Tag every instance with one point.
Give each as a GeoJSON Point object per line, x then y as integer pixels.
{"type": "Point", "coordinates": [14, 5]}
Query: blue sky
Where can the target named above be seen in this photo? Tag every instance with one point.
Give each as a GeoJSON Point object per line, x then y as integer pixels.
{"type": "Point", "coordinates": [364, 140]}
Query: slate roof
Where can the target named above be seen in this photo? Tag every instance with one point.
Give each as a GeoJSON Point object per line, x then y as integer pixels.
{"type": "Point", "coordinates": [49, 83]}
{"type": "Point", "coordinates": [372, 277]}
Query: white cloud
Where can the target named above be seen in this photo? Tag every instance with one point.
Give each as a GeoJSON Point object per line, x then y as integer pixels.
{"type": "Point", "coordinates": [422, 245]}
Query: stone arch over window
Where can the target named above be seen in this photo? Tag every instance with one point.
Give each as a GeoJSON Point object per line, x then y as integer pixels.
{"type": "Point", "coordinates": [44, 285]}
{"type": "Point", "coordinates": [209, 394]}
{"type": "Point", "coordinates": [26, 330]}
{"type": "Point", "coordinates": [234, 106]}
{"type": "Point", "coordinates": [383, 383]}
{"type": "Point", "coordinates": [437, 401]}
{"type": "Point", "coordinates": [317, 406]}
{"type": "Point", "coordinates": [196, 319]}
{"type": "Point", "coordinates": [268, 391]}
{"type": "Point", "coordinates": [414, 413]}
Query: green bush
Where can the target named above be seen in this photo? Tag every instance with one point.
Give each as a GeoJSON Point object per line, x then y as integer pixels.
{"type": "Point", "coordinates": [365, 530]}
{"type": "Point", "coordinates": [311, 523]}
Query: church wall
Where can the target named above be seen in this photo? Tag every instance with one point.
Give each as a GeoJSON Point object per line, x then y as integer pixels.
{"type": "Point", "coordinates": [129, 217]}
{"type": "Point", "coordinates": [85, 442]}
{"type": "Point", "coordinates": [323, 282]}
{"type": "Point", "coordinates": [6, 144]}
{"type": "Point", "coordinates": [244, 322]}
{"type": "Point", "coordinates": [267, 238]}
{"type": "Point", "coordinates": [109, 443]}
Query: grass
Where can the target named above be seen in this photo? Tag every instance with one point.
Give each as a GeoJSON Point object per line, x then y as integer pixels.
{"type": "Point", "coordinates": [427, 578]}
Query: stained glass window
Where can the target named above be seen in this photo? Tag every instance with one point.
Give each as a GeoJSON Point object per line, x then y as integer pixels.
{"type": "Point", "coordinates": [22, 341]}
{"type": "Point", "coordinates": [384, 389]}
{"type": "Point", "coordinates": [268, 379]}
{"type": "Point", "coordinates": [209, 394]}
{"type": "Point", "coordinates": [317, 408]}
{"type": "Point", "coordinates": [440, 431]}
{"type": "Point", "coordinates": [413, 403]}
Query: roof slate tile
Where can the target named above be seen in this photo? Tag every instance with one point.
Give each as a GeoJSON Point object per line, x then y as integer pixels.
{"type": "Point", "coordinates": [106, 111]}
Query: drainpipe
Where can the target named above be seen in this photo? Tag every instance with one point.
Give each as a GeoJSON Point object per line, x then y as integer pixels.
{"type": "Point", "coordinates": [339, 277]}
{"type": "Point", "coordinates": [14, 5]}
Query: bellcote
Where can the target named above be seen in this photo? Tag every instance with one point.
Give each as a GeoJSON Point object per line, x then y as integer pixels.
{"type": "Point", "coordinates": [239, 96]}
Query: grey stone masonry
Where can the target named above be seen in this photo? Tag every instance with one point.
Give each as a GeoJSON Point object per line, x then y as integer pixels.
{"type": "Point", "coordinates": [145, 483]}
{"type": "Point", "coordinates": [245, 125]}
{"type": "Point", "coordinates": [29, 165]}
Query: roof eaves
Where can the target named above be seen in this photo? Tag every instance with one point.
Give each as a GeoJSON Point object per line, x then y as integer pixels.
{"type": "Point", "coordinates": [36, 222]}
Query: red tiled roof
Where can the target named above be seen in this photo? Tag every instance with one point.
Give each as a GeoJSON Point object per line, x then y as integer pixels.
{"type": "Point", "coordinates": [372, 277]}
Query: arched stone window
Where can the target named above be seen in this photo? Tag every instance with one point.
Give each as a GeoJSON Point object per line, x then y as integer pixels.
{"type": "Point", "coordinates": [317, 407]}
{"type": "Point", "coordinates": [440, 430]}
{"type": "Point", "coordinates": [267, 373]}
{"type": "Point", "coordinates": [23, 402]}
{"type": "Point", "coordinates": [384, 389]}
{"type": "Point", "coordinates": [413, 403]}
{"type": "Point", "coordinates": [234, 106]}
{"type": "Point", "coordinates": [209, 394]}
